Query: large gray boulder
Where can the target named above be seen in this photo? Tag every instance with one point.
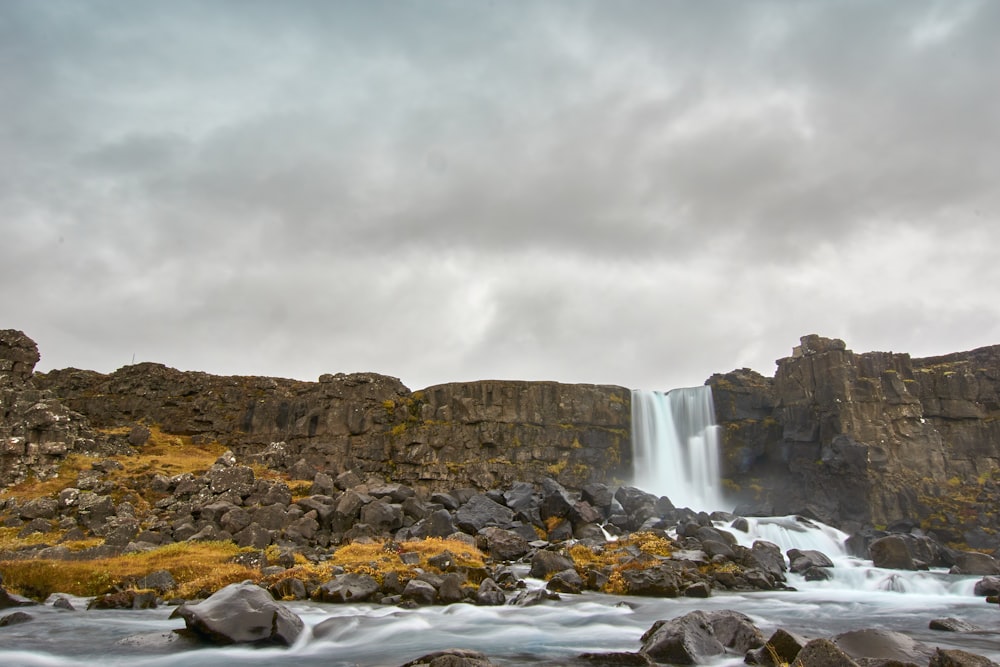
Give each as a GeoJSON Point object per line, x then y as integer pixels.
{"type": "Point", "coordinates": [242, 613]}
{"type": "Point", "coordinates": [883, 645]}
{"type": "Point", "coordinates": [481, 512]}
{"type": "Point", "coordinates": [687, 640]}
{"type": "Point", "coordinates": [347, 588]}
{"type": "Point", "coordinates": [823, 653]}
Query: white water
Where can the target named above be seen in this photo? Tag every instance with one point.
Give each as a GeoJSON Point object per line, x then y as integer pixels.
{"type": "Point", "coordinates": [675, 447]}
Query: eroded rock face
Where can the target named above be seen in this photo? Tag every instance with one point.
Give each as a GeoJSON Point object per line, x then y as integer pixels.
{"type": "Point", "coordinates": [479, 434]}
{"type": "Point", "coordinates": [37, 430]}
{"type": "Point", "coordinates": [869, 439]}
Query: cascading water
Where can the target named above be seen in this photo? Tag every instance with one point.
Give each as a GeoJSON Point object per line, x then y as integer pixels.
{"type": "Point", "coordinates": [675, 447]}
{"type": "Point", "coordinates": [675, 450]}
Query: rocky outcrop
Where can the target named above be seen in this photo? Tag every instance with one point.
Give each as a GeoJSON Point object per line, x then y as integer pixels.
{"type": "Point", "coordinates": [37, 430]}
{"type": "Point", "coordinates": [868, 439]}
{"type": "Point", "coordinates": [479, 434]}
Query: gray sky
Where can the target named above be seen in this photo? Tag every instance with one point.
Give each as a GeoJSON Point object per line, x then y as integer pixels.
{"type": "Point", "coordinates": [636, 193]}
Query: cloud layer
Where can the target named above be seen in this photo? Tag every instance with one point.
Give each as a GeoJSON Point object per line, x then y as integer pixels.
{"type": "Point", "coordinates": [638, 193]}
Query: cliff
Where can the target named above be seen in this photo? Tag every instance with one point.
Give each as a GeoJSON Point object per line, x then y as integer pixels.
{"type": "Point", "coordinates": [868, 439]}
{"type": "Point", "coordinates": [37, 430]}
{"type": "Point", "coordinates": [480, 434]}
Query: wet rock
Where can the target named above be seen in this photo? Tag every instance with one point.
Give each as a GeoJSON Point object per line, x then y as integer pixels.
{"type": "Point", "coordinates": [546, 563]}
{"type": "Point", "coordinates": [347, 588]}
{"type": "Point", "coordinates": [781, 648]}
{"type": "Point", "coordinates": [686, 640]}
{"type": "Point", "coordinates": [15, 618]}
{"type": "Point", "coordinates": [490, 594]}
{"type": "Point", "coordinates": [987, 586]}
{"type": "Point", "coordinates": [453, 657]}
{"type": "Point", "coordinates": [530, 598]}
{"type": "Point", "coordinates": [735, 630]}
{"type": "Point", "coordinates": [567, 581]}
{"type": "Point", "coordinates": [973, 562]}
{"type": "Point", "coordinates": [8, 600]}
{"type": "Point", "coordinates": [767, 557]}
{"type": "Point", "coordinates": [953, 625]}
{"type": "Point", "coordinates": [958, 658]}
{"type": "Point", "coordinates": [661, 581]}
{"type": "Point", "coordinates": [242, 613]}
{"type": "Point", "coordinates": [823, 653]}
{"type": "Point", "coordinates": [801, 560]}
{"type": "Point", "coordinates": [419, 592]}
{"type": "Point", "coordinates": [62, 602]}
{"type": "Point", "coordinates": [128, 599]}
{"type": "Point", "coordinates": [620, 659]}
{"type": "Point", "coordinates": [883, 645]}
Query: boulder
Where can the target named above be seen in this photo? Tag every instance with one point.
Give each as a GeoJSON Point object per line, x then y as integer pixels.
{"type": "Point", "coordinates": [823, 653]}
{"type": "Point", "coordinates": [973, 562]}
{"type": "Point", "coordinates": [891, 552]}
{"type": "Point", "coordinates": [347, 588]}
{"type": "Point", "coordinates": [686, 640]}
{"type": "Point", "coordinates": [481, 512]}
{"type": "Point", "coordinates": [987, 586]}
{"type": "Point", "coordinates": [419, 592]}
{"type": "Point", "coordinates": [801, 560]}
{"type": "Point", "coordinates": [736, 631]}
{"type": "Point", "coordinates": [546, 563]}
{"type": "Point", "coordinates": [490, 594]}
{"type": "Point", "coordinates": [127, 599]}
{"type": "Point", "coordinates": [8, 600]}
{"type": "Point", "coordinates": [242, 613]}
{"type": "Point", "coordinates": [883, 645]}
{"type": "Point", "coordinates": [780, 649]}
{"type": "Point", "coordinates": [958, 658]}
{"type": "Point", "coordinates": [659, 581]}
{"type": "Point", "coordinates": [15, 618]}
{"type": "Point", "coordinates": [953, 625]}
{"type": "Point", "coordinates": [453, 657]}
{"type": "Point", "coordinates": [502, 545]}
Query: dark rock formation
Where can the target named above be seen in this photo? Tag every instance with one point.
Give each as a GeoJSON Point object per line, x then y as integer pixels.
{"type": "Point", "coordinates": [454, 657]}
{"type": "Point", "coordinates": [478, 434]}
{"type": "Point", "coordinates": [37, 430]}
{"type": "Point", "coordinates": [869, 439]}
{"type": "Point", "coordinates": [242, 614]}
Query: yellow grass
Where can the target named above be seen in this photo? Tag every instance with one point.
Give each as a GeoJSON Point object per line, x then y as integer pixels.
{"type": "Point", "coordinates": [615, 558]}
{"type": "Point", "coordinates": [199, 568]}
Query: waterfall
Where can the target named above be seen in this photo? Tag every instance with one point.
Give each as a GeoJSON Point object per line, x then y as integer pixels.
{"type": "Point", "coordinates": [675, 447]}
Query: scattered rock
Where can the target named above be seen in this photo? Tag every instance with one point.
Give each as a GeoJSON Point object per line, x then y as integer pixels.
{"type": "Point", "coordinates": [953, 625]}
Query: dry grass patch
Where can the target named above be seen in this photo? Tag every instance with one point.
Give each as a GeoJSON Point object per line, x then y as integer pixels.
{"type": "Point", "coordinates": [200, 568]}
{"type": "Point", "coordinates": [616, 557]}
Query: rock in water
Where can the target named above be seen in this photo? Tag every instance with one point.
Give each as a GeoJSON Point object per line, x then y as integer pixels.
{"type": "Point", "coordinates": [453, 657]}
{"type": "Point", "coordinates": [958, 658]}
{"type": "Point", "coordinates": [822, 653]}
{"type": "Point", "coordinates": [242, 613]}
{"type": "Point", "coordinates": [882, 645]}
{"type": "Point", "coordinates": [687, 640]}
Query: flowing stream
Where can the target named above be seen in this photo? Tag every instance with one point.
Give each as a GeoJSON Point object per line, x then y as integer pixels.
{"type": "Point", "coordinates": [858, 596]}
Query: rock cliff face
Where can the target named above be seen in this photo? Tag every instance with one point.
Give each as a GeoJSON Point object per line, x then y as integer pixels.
{"type": "Point", "coordinates": [37, 431]}
{"type": "Point", "coordinates": [481, 434]}
{"type": "Point", "coordinates": [872, 438]}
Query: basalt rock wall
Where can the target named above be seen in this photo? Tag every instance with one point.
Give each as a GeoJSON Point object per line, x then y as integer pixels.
{"type": "Point", "coordinates": [875, 438]}
{"type": "Point", "coordinates": [37, 430]}
{"type": "Point", "coordinates": [479, 434]}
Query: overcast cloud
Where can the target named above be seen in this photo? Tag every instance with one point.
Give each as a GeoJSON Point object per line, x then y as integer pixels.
{"type": "Point", "coordinates": [635, 193]}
